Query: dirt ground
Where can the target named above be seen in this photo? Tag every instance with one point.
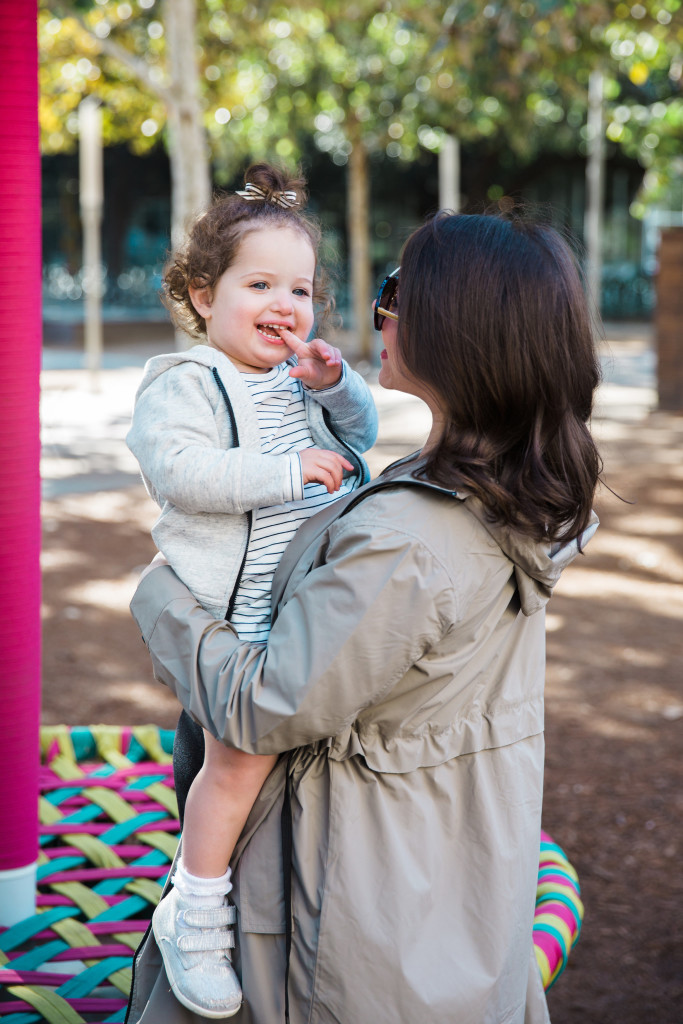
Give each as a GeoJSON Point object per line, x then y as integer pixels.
{"type": "Point", "coordinates": [614, 780]}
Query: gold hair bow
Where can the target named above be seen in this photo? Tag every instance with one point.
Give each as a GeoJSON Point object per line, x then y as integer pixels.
{"type": "Point", "coordinates": [284, 199]}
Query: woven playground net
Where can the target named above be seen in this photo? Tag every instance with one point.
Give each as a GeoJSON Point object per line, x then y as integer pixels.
{"type": "Point", "coordinates": [108, 834]}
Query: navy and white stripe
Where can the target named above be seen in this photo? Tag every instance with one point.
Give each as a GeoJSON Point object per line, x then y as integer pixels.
{"type": "Point", "coordinates": [282, 422]}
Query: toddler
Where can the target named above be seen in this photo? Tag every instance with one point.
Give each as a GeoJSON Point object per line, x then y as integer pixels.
{"type": "Point", "coordinates": [239, 440]}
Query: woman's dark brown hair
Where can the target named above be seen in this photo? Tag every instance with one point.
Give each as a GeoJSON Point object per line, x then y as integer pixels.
{"type": "Point", "coordinates": [494, 320]}
{"type": "Point", "coordinates": [213, 242]}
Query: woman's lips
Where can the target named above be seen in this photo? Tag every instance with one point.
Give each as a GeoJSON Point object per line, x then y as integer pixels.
{"type": "Point", "coordinates": [383, 354]}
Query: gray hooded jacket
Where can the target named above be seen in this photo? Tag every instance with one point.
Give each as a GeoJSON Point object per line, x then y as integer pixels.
{"type": "Point", "coordinates": [405, 673]}
{"type": "Point", "coordinates": [197, 441]}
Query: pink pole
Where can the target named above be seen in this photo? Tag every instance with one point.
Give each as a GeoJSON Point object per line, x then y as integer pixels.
{"type": "Point", "coordinates": [20, 350]}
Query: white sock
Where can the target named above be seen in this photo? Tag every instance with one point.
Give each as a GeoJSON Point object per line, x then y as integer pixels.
{"type": "Point", "coordinates": [201, 892]}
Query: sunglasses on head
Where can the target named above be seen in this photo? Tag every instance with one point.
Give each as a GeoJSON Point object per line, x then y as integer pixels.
{"type": "Point", "coordinates": [385, 303]}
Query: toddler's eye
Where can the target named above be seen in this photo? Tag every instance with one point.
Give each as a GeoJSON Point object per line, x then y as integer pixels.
{"type": "Point", "coordinates": [302, 291]}
{"type": "Point", "coordinates": [261, 285]}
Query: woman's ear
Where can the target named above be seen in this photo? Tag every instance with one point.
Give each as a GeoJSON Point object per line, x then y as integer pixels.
{"type": "Point", "coordinates": [201, 300]}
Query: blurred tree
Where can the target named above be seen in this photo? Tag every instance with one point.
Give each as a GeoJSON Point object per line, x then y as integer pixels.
{"type": "Point", "coordinates": [514, 73]}
{"type": "Point", "coordinates": [402, 77]}
{"type": "Point", "coordinates": [645, 106]}
{"type": "Point", "coordinates": [345, 74]}
{"type": "Point", "coordinates": [363, 79]}
{"type": "Point", "coordinates": [269, 76]}
{"type": "Point", "coordinates": [145, 71]}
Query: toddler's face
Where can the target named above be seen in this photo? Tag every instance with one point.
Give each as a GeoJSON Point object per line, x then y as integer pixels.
{"type": "Point", "coordinates": [269, 286]}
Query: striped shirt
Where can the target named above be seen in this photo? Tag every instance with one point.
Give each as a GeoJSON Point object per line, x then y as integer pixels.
{"type": "Point", "coordinates": [282, 423]}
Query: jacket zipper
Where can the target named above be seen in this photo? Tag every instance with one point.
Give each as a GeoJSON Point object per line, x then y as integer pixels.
{"type": "Point", "coordinates": [286, 828]}
{"type": "Point", "coordinates": [249, 515]}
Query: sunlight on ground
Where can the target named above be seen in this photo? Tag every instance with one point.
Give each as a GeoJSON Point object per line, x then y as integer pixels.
{"type": "Point", "coordinates": [638, 713]}
{"type": "Point", "coordinates": [62, 558]}
{"type": "Point", "coordinates": [634, 550]}
{"type": "Point", "coordinates": [114, 595]}
{"type": "Point", "coordinates": [642, 658]}
{"type": "Point", "coordinates": [553, 622]}
{"type": "Point", "coordinates": [659, 700]}
{"type": "Point", "coordinates": [608, 728]}
{"type": "Point", "coordinates": [658, 438]}
{"type": "Point", "coordinates": [646, 524]}
{"type": "Point", "coordinates": [667, 598]}
{"type": "Point", "coordinates": [131, 505]}
{"type": "Point", "coordinates": [144, 695]}
{"type": "Point", "coordinates": [628, 403]}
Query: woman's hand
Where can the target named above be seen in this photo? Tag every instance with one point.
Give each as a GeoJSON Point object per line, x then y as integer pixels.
{"type": "Point", "coordinates": [323, 467]}
{"type": "Point", "coordinates": [320, 364]}
{"type": "Point", "coordinates": [156, 563]}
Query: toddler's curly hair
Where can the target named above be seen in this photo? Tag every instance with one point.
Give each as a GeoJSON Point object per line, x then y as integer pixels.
{"type": "Point", "coordinates": [214, 239]}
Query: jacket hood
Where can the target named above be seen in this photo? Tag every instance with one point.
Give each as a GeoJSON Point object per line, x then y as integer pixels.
{"type": "Point", "coordinates": [538, 564]}
{"type": "Point", "coordinates": [154, 367]}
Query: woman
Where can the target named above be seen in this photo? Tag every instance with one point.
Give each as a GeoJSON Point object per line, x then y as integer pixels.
{"type": "Point", "coordinates": [404, 670]}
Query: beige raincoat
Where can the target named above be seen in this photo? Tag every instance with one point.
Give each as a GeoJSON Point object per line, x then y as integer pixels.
{"type": "Point", "coordinates": [405, 672]}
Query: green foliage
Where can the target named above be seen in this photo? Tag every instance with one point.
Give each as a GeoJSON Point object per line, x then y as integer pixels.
{"type": "Point", "coordinates": [73, 65]}
{"type": "Point", "coordinates": [645, 44]}
{"type": "Point", "coordinates": [395, 79]}
{"type": "Point", "coordinates": [392, 77]}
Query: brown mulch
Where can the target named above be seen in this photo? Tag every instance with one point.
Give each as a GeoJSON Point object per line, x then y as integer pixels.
{"type": "Point", "coordinates": [614, 765]}
{"type": "Point", "coordinates": [614, 781]}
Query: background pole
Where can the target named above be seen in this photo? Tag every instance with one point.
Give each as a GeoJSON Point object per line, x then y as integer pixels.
{"type": "Point", "coordinates": [449, 174]}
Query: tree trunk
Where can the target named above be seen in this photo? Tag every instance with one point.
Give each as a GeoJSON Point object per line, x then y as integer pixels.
{"type": "Point", "coordinates": [595, 188]}
{"type": "Point", "coordinates": [187, 143]}
{"type": "Point", "coordinates": [358, 226]}
{"type": "Point", "coordinates": [188, 152]}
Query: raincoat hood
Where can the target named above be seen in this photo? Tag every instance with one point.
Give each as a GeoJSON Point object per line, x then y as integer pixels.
{"type": "Point", "coordinates": [538, 565]}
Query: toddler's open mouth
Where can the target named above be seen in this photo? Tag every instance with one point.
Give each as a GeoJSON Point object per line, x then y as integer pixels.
{"type": "Point", "coordinates": [271, 331]}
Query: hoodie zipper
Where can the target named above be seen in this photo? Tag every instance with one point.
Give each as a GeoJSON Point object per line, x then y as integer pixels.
{"type": "Point", "coordinates": [355, 457]}
{"type": "Point", "coordinates": [235, 444]}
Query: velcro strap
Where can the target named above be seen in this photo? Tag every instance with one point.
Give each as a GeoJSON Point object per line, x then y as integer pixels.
{"type": "Point", "coordinates": [201, 942]}
{"type": "Point", "coordinates": [210, 917]}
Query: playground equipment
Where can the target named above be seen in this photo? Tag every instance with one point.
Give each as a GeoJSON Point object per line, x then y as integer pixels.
{"type": "Point", "coordinates": [108, 834]}
{"type": "Point", "coordinates": [20, 338]}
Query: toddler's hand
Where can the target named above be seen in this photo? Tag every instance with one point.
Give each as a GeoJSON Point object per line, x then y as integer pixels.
{"type": "Point", "coordinates": [324, 467]}
{"type": "Point", "coordinates": [320, 364]}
